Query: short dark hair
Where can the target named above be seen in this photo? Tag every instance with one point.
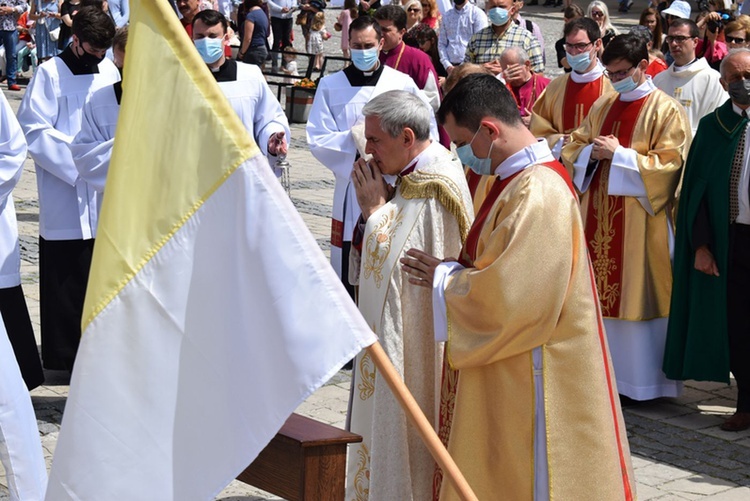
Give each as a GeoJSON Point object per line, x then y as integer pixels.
{"type": "Point", "coordinates": [93, 3]}
{"type": "Point", "coordinates": [692, 27]}
{"type": "Point", "coordinates": [121, 38]}
{"type": "Point", "coordinates": [583, 24]}
{"type": "Point", "coordinates": [393, 13]}
{"type": "Point", "coordinates": [477, 96]}
{"type": "Point", "coordinates": [631, 48]}
{"type": "Point", "coordinates": [93, 25]}
{"type": "Point", "coordinates": [362, 23]}
{"type": "Point", "coordinates": [211, 18]}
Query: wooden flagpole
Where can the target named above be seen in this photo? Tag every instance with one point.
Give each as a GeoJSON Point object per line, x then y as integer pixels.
{"type": "Point", "coordinates": [417, 417]}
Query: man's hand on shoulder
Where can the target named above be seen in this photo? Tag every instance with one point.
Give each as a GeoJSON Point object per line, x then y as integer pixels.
{"type": "Point", "coordinates": [372, 190]}
{"type": "Point", "coordinates": [705, 262]}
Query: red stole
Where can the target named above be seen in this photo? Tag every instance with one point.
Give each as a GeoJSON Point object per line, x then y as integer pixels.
{"type": "Point", "coordinates": [577, 102]}
{"type": "Point", "coordinates": [605, 216]}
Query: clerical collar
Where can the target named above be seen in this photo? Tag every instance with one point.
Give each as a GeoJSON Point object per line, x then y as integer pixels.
{"type": "Point", "coordinates": [396, 47]}
{"type": "Point", "coordinates": [639, 92]}
{"type": "Point", "coordinates": [74, 64]}
{"type": "Point", "coordinates": [359, 78]}
{"type": "Point", "coordinates": [683, 68]}
{"type": "Point", "coordinates": [227, 72]}
{"type": "Point", "coordinates": [533, 154]}
{"type": "Point", "coordinates": [595, 74]}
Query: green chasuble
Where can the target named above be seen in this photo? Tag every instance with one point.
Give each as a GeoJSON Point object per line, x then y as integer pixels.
{"type": "Point", "coordinates": [697, 339]}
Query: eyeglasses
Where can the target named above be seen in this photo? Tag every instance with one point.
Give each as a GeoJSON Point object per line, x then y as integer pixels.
{"type": "Point", "coordinates": [576, 48]}
{"type": "Point", "coordinates": [618, 75]}
{"type": "Point", "coordinates": [413, 9]}
{"type": "Point", "coordinates": [736, 40]}
{"type": "Point", "coordinates": [596, 13]}
{"type": "Point", "coordinates": [679, 40]}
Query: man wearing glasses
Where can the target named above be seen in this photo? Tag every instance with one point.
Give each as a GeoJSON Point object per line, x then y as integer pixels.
{"type": "Point", "coordinates": [690, 80]}
{"type": "Point", "coordinates": [568, 98]}
{"type": "Point", "coordinates": [626, 159]}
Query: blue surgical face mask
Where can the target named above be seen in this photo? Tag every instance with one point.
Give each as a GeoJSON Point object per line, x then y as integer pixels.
{"type": "Point", "coordinates": [625, 85]}
{"type": "Point", "coordinates": [498, 16]}
{"type": "Point", "coordinates": [364, 59]}
{"type": "Point", "coordinates": [580, 62]}
{"type": "Point", "coordinates": [210, 49]}
{"type": "Point", "coordinates": [482, 166]}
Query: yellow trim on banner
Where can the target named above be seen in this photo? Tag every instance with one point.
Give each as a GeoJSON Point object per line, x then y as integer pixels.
{"type": "Point", "coordinates": [178, 139]}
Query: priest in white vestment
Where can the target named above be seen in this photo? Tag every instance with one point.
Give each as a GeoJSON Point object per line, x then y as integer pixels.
{"type": "Point", "coordinates": [430, 207]}
{"type": "Point", "coordinates": [334, 128]}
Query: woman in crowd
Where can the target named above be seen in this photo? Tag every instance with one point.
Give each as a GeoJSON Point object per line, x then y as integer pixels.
{"type": "Point", "coordinates": [598, 11]}
{"type": "Point", "coordinates": [737, 33]}
{"type": "Point", "coordinates": [47, 17]}
{"type": "Point", "coordinates": [570, 13]}
{"type": "Point", "coordinates": [427, 42]}
{"type": "Point", "coordinates": [67, 9]}
{"type": "Point", "coordinates": [254, 35]}
{"type": "Point", "coordinates": [348, 14]}
{"type": "Point", "coordinates": [430, 14]}
{"type": "Point", "coordinates": [712, 46]}
{"type": "Point", "coordinates": [651, 19]}
{"type": "Point", "coordinates": [413, 19]}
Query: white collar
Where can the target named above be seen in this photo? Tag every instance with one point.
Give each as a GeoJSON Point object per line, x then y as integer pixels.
{"type": "Point", "coordinates": [531, 155]}
{"type": "Point", "coordinates": [593, 75]}
{"type": "Point", "coordinates": [420, 159]}
{"type": "Point", "coordinates": [739, 110]}
{"type": "Point", "coordinates": [639, 92]}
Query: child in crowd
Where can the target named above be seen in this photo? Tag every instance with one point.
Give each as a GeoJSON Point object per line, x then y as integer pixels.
{"type": "Point", "coordinates": [348, 14]}
{"type": "Point", "coordinates": [289, 65]}
{"type": "Point", "coordinates": [318, 34]}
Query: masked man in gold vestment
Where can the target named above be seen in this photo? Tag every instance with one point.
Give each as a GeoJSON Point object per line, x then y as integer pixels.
{"type": "Point", "coordinates": [536, 413]}
{"type": "Point", "coordinates": [626, 159]}
{"type": "Point", "coordinates": [429, 207]}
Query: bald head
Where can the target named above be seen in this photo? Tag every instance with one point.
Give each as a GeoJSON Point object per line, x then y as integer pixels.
{"type": "Point", "coordinates": [735, 76]}
{"type": "Point", "coordinates": [516, 66]}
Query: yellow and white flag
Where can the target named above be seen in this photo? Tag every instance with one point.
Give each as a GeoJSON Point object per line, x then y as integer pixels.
{"type": "Point", "coordinates": [211, 314]}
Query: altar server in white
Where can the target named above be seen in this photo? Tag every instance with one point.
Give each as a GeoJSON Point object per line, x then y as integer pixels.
{"type": "Point", "coordinates": [243, 85]}
{"type": "Point", "coordinates": [12, 301]}
{"type": "Point", "coordinates": [50, 115]}
{"type": "Point", "coordinates": [20, 447]}
{"type": "Point", "coordinates": [335, 128]}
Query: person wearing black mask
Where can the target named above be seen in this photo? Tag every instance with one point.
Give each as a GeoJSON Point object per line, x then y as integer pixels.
{"type": "Point", "coordinates": [50, 115]}
{"type": "Point", "coordinates": [708, 324]}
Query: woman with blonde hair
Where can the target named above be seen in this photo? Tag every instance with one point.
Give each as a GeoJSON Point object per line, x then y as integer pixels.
{"type": "Point", "coordinates": [430, 14]}
{"type": "Point", "coordinates": [737, 33]}
{"type": "Point", "coordinates": [597, 10]}
{"type": "Point", "coordinates": [414, 14]}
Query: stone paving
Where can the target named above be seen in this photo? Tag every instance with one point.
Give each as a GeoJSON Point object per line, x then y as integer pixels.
{"type": "Point", "coordinates": [678, 450]}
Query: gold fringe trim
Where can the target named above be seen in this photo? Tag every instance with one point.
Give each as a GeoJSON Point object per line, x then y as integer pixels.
{"type": "Point", "coordinates": [441, 188]}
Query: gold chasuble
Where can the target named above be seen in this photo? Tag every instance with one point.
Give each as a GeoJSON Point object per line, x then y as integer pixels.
{"type": "Point", "coordinates": [431, 210]}
{"type": "Point", "coordinates": [629, 243]}
{"type": "Point", "coordinates": [536, 408]}
{"type": "Point", "coordinates": [564, 105]}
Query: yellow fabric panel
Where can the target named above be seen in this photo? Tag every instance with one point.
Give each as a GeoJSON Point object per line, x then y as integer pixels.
{"type": "Point", "coordinates": [155, 184]}
{"type": "Point", "coordinates": [551, 304]}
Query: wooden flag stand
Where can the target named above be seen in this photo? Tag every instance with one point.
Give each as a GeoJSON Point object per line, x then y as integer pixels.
{"type": "Point", "coordinates": [417, 417]}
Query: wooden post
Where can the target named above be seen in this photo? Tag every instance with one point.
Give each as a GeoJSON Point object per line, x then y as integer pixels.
{"type": "Point", "coordinates": [417, 417]}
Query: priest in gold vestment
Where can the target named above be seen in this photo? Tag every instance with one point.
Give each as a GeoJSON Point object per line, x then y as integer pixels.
{"type": "Point", "coordinates": [430, 207]}
{"type": "Point", "coordinates": [626, 159]}
{"type": "Point", "coordinates": [568, 98]}
{"type": "Point", "coordinates": [536, 413]}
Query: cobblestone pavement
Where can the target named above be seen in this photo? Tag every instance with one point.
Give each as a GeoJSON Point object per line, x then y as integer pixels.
{"type": "Point", "coordinates": [678, 450]}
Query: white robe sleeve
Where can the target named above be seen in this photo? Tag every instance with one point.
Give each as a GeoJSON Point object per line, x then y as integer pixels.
{"type": "Point", "coordinates": [12, 150]}
{"type": "Point", "coordinates": [269, 119]}
{"type": "Point", "coordinates": [38, 114]}
{"type": "Point", "coordinates": [432, 91]}
{"type": "Point", "coordinates": [332, 147]}
{"type": "Point", "coordinates": [625, 178]}
{"type": "Point", "coordinates": [92, 150]}
{"type": "Point", "coordinates": [439, 309]}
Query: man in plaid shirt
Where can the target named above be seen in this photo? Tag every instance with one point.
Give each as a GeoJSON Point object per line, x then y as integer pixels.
{"type": "Point", "coordinates": [486, 46]}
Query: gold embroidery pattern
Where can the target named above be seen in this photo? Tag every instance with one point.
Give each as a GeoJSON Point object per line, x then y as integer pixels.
{"type": "Point", "coordinates": [605, 212]}
{"type": "Point", "coordinates": [366, 370]}
{"type": "Point", "coordinates": [420, 184]}
{"type": "Point", "coordinates": [378, 245]}
{"type": "Point", "coordinates": [362, 477]}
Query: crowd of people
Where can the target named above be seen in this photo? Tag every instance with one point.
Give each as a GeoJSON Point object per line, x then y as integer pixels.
{"type": "Point", "coordinates": [533, 253]}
